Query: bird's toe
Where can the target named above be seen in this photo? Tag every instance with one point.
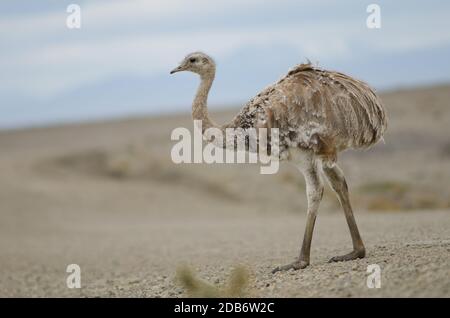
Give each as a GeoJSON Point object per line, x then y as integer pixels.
{"type": "Point", "coordinates": [348, 257]}
{"type": "Point", "coordinates": [294, 266]}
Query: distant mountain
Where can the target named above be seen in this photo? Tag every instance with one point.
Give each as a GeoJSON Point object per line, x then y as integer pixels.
{"type": "Point", "coordinates": [239, 77]}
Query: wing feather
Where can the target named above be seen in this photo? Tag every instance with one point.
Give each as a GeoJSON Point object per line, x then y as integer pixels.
{"type": "Point", "coordinates": [318, 109]}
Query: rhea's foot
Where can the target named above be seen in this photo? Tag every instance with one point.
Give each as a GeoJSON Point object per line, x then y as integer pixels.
{"type": "Point", "coordinates": [298, 264]}
{"type": "Point", "coordinates": [348, 257]}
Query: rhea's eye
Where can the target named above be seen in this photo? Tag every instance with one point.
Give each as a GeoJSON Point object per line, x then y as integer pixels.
{"type": "Point", "coordinates": [192, 60]}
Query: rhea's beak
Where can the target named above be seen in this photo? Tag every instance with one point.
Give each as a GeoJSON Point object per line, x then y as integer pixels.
{"type": "Point", "coordinates": [176, 69]}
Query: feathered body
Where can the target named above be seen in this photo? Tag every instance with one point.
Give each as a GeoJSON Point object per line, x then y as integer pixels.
{"type": "Point", "coordinates": [318, 113]}
{"type": "Point", "coordinates": [317, 109]}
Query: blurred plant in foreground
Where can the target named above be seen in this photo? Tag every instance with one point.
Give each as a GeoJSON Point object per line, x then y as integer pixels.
{"type": "Point", "coordinates": [237, 285]}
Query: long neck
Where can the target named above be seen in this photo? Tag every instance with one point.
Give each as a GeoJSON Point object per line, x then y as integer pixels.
{"type": "Point", "coordinates": [199, 106]}
{"type": "Point", "coordinates": [200, 112]}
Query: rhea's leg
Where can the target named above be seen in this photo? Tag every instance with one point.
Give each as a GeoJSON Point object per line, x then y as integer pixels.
{"type": "Point", "coordinates": [337, 181]}
{"type": "Point", "coordinates": [314, 192]}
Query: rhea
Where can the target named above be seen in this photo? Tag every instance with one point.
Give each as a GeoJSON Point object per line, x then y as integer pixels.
{"type": "Point", "coordinates": [318, 113]}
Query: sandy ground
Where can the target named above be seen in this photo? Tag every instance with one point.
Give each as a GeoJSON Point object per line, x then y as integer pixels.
{"type": "Point", "coordinates": [107, 197]}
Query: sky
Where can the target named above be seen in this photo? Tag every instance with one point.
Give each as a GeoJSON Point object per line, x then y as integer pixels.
{"type": "Point", "coordinates": [117, 63]}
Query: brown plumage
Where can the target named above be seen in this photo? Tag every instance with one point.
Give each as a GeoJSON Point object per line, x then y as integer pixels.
{"type": "Point", "coordinates": [318, 113]}
{"type": "Point", "coordinates": [316, 109]}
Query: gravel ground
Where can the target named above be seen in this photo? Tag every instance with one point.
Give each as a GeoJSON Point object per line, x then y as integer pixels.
{"type": "Point", "coordinates": [120, 257]}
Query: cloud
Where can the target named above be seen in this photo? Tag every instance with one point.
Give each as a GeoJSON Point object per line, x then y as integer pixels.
{"type": "Point", "coordinates": [59, 66]}
{"type": "Point", "coordinates": [42, 58]}
{"type": "Point", "coordinates": [104, 16]}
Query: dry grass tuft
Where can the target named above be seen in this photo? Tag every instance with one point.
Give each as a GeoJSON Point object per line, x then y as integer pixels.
{"type": "Point", "coordinates": [194, 286]}
{"type": "Point", "coordinates": [238, 282]}
{"type": "Point", "coordinates": [237, 285]}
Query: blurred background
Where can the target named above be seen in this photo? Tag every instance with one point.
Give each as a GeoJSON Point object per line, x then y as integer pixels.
{"type": "Point", "coordinates": [117, 63]}
{"type": "Point", "coordinates": [86, 175]}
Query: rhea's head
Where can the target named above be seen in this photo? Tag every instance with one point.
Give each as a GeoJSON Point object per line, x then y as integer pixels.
{"type": "Point", "coordinates": [197, 62]}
